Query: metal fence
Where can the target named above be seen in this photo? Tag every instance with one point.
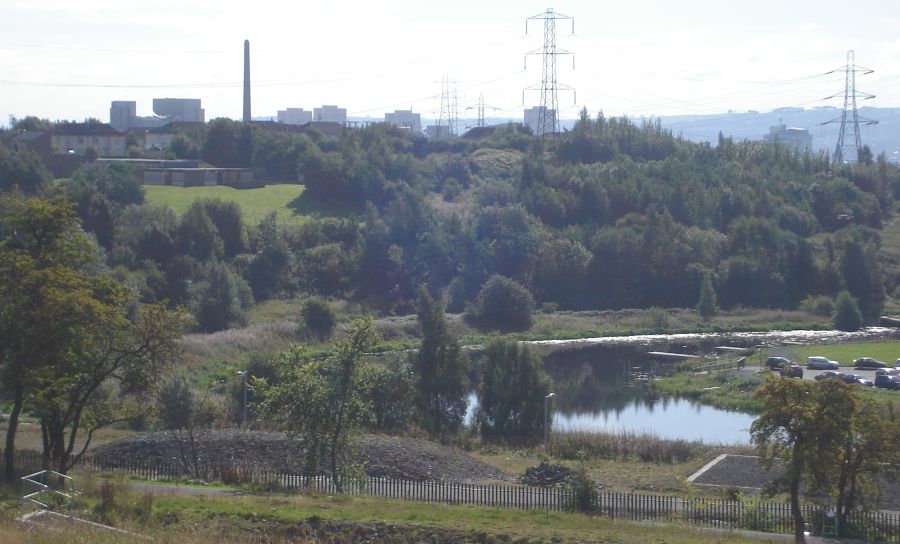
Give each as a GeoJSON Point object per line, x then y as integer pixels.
{"type": "Point", "coordinates": [773, 517]}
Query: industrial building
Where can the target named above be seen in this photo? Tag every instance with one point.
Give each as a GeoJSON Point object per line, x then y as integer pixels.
{"type": "Point", "coordinates": [533, 119]}
{"type": "Point", "coordinates": [295, 116]}
{"type": "Point", "coordinates": [404, 119]}
{"type": "Point", "coordinates": [123, 113]}
{"type": "Point", "coordinates": [799, 140]}
{"type": "Point", "coordinates": [330, 114]}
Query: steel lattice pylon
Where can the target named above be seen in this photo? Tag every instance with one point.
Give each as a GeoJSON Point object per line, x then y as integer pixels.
{"type": "Point", "coordinates": [548, 114]}
{"type": "Point", "coordinates": [849, 136]}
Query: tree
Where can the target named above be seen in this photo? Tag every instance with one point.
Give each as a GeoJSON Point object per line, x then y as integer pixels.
{"type": "Point", "coordinates": [512, 391]}
{"type": "Point", "coordinates": [440, 369]}
{"type": "Point", "coordinates": [802, 425]}
{"type": "Point", "coordinates": [503, 304]}
{"type": "Point", "coordinates": [319, 317]}
{"type": "Point", "coordinates": [320, 400]}
{"type": "Point", "coordinates": [706, 305]}
{"type": "Point", "coordinates": [868, 456]}
{"type": "Point", "coordinates": [187, 413]}
{"type": "Point", "coordinates": [222, 300]}
{"type": "Point", "coordinates": [847, 316]}
{"type": "Point", "coordinates": [45, 295]}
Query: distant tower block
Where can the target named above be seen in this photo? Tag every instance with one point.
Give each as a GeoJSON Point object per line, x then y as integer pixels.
{"type": "Point", "coordinates": [246, 81]}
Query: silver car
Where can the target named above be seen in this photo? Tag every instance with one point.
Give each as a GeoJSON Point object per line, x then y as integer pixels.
{"type": "Point", "coordinates": [816, 362]}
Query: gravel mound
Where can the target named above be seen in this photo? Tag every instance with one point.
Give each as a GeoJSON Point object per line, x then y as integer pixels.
{"type": "Point", "coordinates": [545, 475]}
{"type": "Point", "coordinates": [383, 456]}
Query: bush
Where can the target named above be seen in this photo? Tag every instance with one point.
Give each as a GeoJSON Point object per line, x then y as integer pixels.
{"type": "Point", "coordinates": [656, 319]}
{"type": "Point", "coordinates": [502, 304]}
{"type": "Point", "coordinates": [582, 493]}
{"type": "Point", "coordinates": [847, 316]}
{"type": "Point", "coordinates": [818, 305]}
{"type": "Point", "coordinates": [320, 319]}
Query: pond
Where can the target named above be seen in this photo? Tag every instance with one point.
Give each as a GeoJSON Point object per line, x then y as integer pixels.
{"type": "Point", "coordinates": [601, 387]}
{"type": "Point", "coordinates": [669, 418]}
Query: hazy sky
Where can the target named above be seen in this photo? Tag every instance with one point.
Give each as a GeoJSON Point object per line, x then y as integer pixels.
{"type": "Point", "coordinates": [64, 59]}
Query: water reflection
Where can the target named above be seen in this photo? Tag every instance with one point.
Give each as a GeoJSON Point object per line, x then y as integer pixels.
{"type": "Point", "coordinates": [604, 388]}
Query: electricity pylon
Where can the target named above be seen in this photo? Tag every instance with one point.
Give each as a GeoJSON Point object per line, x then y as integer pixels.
{"type": "Point", "coordinates": [849, 136]}
{"type": "Point", "coordinates": [449, 107]}
{"type": "Point", "coordinates": [548, 113]}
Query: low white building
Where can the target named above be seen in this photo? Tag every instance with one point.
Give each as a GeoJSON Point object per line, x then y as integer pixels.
{"type": "Point", "coordinates": [76, 138]}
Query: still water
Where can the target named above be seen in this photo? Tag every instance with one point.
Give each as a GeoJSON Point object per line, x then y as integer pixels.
{"type": "Point", "coordinates": [595, 390]}
{"type": "Point", "coordinates": [667, 418]}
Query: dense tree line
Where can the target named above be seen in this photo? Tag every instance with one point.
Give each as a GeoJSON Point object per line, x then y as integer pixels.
{"type": "Point", "coordinates": [613, 214]}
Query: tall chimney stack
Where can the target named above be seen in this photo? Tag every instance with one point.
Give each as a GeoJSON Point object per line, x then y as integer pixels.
{"type": "Point", "coordinates": [246, 81]}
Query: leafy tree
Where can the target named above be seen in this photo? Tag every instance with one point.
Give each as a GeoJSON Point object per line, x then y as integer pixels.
{"type": "Point", "coordinates": [512, 391]}
{"type": "Point", "coordinates": [867, 457]}
{"type": "Point", "coordinates": [198, 236]}
{"type": "Point", "coordinates": [45, 296]}
{"type": "Point", "coordinates": [862, 277]}
{"type": "Point", "coordinates": [188, 413]}
{"type": "Point", "coordinates": [22, 169]}
{"type": "Point", "coordinates": [847, 316]}
{"type": "Point", "coordinates": [440, 369]}
{"type": "Point", "coordinates": [706, 305]}
{"type": "Point", "coordinates": [502, 304]}
{"type": "Point", "coordinates": [319, 317]}
{"type": "Point", "coordinates": [269, 271]}
{"type": "Point", "coordinates": [320, 400]}
{"type": "Point", "coordinates": [802, 425]}
{"type": "Point", "coordinates": [222, 300]}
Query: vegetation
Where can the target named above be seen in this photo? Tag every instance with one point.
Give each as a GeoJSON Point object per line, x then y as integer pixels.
{"type": "Point", "coordinates": [319, 400]}
{"type": "Point", "coordinates": [847, 316]}
{"type": "Point", "coordinates": [824, 436]}
{"type": "Point", "coordinates": [341, 519]}
{"type": "Point", "coordinates": [76, 348]}
{"type": "Point", "coordinates": [440, 371]}
{"type": "Point", "coordinates": [511, 393]}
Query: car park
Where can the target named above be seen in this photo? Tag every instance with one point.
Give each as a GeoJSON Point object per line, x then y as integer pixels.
{"type": "Point", "coordinates": [774, 363]}
{"type": "Point", "coordinates": [816, 362]}
{"type": "Point", "coordinates": [868, 362]}
{"type": "Point", "coordinates": [829, 374]}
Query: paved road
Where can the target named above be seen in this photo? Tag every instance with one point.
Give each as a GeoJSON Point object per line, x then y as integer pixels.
{"type": "Point", "coordinates": [811, 374]}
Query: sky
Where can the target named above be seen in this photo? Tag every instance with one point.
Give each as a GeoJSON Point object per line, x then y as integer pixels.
{"type": "Point", "coordinates": [61, 59]}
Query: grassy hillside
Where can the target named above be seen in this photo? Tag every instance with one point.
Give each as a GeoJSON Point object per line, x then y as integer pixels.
{"type": "Point", "coordinates": [285, 200]}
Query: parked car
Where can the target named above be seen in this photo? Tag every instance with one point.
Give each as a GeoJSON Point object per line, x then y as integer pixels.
{"type": "Point", "coordinates": [852, 378]}
{"type": "Point", "coordinates": [816, 362]}
{"type": "Point", "coordinates": [774, 363]}
{"type": "Point", "coordinates": [791, 371]}
{"type": "Point", "coordinates": [829, 374]}
{"type": "Point", "coordinates": [866, 382]}
{"type": "Point", "coordinates": [887, 371]}
{"type": "Point", "coordinates": [868, 362]}
{"type": "Point", "coordinates": [884, 380]}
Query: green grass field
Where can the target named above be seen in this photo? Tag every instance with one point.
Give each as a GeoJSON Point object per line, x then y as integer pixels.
{"type": "Point", "coordinates": [285, 200]}
{"type": "Point", "coordinates": [846, 353]}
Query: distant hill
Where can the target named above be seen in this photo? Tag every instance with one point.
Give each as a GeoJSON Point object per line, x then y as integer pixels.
{"type": "Point", "coordinates": [885, 136]}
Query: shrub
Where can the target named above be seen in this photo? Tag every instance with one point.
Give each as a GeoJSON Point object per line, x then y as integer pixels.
{"type": "Point", "coordinates": [818, 305]}
{"type": "Point", "coordinates": [319, 317]}
{"type": "Point", "coordinates": [657, 319]}
{"type": "Point", "coordinates": [502, 304]}
{"type": "Point", "coordinates": [582, 492]}
{"type": "Point", "coordinates": [847, 316]}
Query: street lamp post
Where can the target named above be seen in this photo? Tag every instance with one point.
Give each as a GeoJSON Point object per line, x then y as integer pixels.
{"type": "Point", "coordinates": [243, 375]}
{"type": "Point", "coordinates": [547, 414]}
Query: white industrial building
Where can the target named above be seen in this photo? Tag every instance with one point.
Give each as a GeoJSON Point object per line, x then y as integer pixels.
{"type": "Point", "coordinates": [533, 119]}
{"type": "Point", "coordinates": [404, 119]}
{"type": "Point", "coordinates": [330, 114]}
{"type": "Point", "coordinates": [294, 116]}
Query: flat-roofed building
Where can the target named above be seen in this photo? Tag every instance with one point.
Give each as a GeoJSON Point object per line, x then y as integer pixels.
{"type": "Point", "coordinates": [404, 119]}
{"type": "Point", "coordinates": [330, 114]}
{"type": "Point", "coordinates": [295, 116]}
